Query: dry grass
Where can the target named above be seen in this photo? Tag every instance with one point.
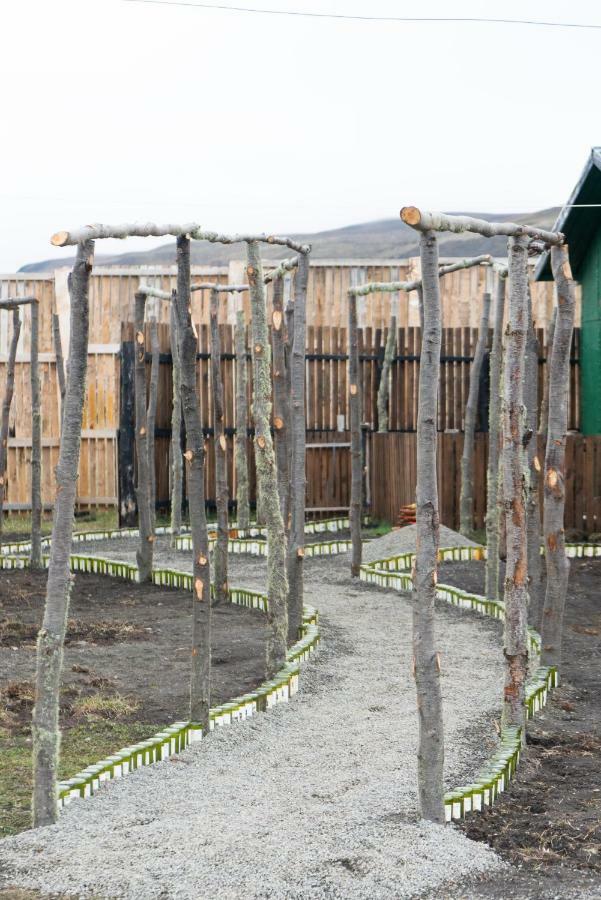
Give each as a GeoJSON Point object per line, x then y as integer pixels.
{"type": "Point", "coordinates": [99, 706]}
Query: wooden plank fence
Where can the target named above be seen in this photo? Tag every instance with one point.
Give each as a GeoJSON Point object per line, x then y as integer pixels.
{"type": "Point", "coordinates": [393, 477]}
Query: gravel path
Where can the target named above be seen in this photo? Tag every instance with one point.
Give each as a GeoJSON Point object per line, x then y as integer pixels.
{"type": "Point", "coordinates": [315, 799]}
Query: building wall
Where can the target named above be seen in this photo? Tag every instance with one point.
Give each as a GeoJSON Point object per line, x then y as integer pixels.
{"type": "Point", "coordinates": [590, 279]}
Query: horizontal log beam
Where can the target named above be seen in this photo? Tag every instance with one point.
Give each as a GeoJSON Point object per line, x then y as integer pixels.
{"type": "Point", "coordinates": [422, 220]}
{"type": "Point", "coordinates": [220, 288]}
{"type": "Point", "coordinates": [285, 266]}
{"type": "Point", "coordinates": [191, 230]}
{"type": "Point", "coordinates": [14, 302]}
{"type": "Point", "coordinates": [389, 287]}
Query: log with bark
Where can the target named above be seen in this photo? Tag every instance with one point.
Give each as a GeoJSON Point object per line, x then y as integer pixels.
{"type": "Point", "coordinates": [45, 724]}
{"type": "Point", "coordinates": [241, 441]}
{"type": "Point", "coordinates": [296, 545]}
{"type": "Point", "coordinates": [558, 566]}
{"type": "Point", "coordinates": [437, 221]}
{"type": "Point", "coordinates": [144, 554]}
{"type": "Point", "coordinates": [383, 387]}
{"type": "Point", "coordinates": [466, 497]}
{"type": "Point", "coordinates": [200, 674]}
{"type": "Point", "coordinates": [9, 390]}
{"type": "Point", "coordinates": [177, 468]}
{"type": "Point", "coordinates": [515, 477]}
{"type": "Point", "coordinates": [355, 511]}
{"type": "Point", "coordinates": [493, 486]}
{"type": "Point", "coordinates": [281, 397]}
{"type": "Point", "coordinates": [535, 586]}
{"type": "Point", "coordinates": [277, 582]}
{"type": "Point", "coordinates": [189, 231]}
{"type": "Point", "coordinates": [220, 446]}
{"type": "Point", "coordinates": [60, 362]}
{"type": "Point", "coordinates": [151, 414]}
{"type": "Point", "coordinates": [544, 410]}
{"type": "Point", "coordinates": [36, 442]}
{"type": "Point", "coordinates": [430, 756]}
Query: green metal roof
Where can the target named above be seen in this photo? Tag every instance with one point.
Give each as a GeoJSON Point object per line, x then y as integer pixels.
{"type": "Point", "coordinates": [577, 223]}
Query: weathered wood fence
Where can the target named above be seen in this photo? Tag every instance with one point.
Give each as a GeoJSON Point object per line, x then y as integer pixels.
{"type": "Point", "coordinates": [108, 412]}
{"type": "Point", "coordinates": [393, 474]}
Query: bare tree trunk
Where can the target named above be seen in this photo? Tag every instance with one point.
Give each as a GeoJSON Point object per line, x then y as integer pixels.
{"type": "Point", "coordinates": [355, 422]}
{"type": "Point", "coordinates": [176, 430]}
{"type": "Point", "coordinates": [200, 675]}
{"type": "Point", "coordinates": [220, 444]}
{"type": "Point", "coordinates": [558, 567]}
{"type": "Point", "coordinates": [466, 499]}
{"type": "Point", "coordinates": [430, 755]}
{"type": "Point", "coordinates": [60, 362]}
{"type": "Point", "coordinates": [296, 547]}
{"type": "Point", "coordinates": [36, 443]}
{"type": "Point", "coordinates": [420, 301]}
{"type": "Point", "coordinates": [9, 390]}
{"type": "Point", "coordinates": [515, 476]}
{"type": "Point", "coordinates": [532, 508]}
{"type": "Point", "coordinates": [277, 582]}
{"type": "Point", "coordinates": [241, 445]}
{"type": "Point", "coordinates": [281, 397]}
{"type": "Point", "coordinates": [544, 410]}
{"type": "Point", "coordinates": [151, 416]}
{"type": "Point", "coordinates": [146, 539]}
{"type": "Point", "coordinates": [383, 387]}
{"type": "Point", "coordinates": [45, 725]}
{"type": "Point", "coordinates": [493, 486]}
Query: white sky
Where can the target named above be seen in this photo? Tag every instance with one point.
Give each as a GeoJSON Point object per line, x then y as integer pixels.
{"type": "Point", "coordinates": [118, 111]}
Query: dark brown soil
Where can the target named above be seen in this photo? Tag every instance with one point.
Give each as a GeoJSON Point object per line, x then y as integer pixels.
{"type": "Point", "coordinates": [549, 821]}
{"type": "Point", "coordinates": [124, 640]}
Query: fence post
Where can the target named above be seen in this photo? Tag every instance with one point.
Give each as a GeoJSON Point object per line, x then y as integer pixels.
{"type": "Point", "coordinates": [128, 508]}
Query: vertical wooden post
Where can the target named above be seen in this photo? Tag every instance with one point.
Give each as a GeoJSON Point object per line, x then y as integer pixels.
{"type": "Point", "coordinates": [277, 582]}
{"type": "Point", "coordinates": [151, 415]}
{"type": "Point", "coordinates": [126, 443]}
{"type": "Point", "coordinates": [383, 387]}
{"type": "Point", "coordinates": [296, 548]}
{"type": "Point", "coordinates": [220, 445]}
{"type": "Point", "coordinates": [430, 754]}
{"type": "Point", "coordinates": [466, 500]}
{"type": "Point", "coordinates": [493, 508]}
{"type": "Point", "coordinates": [534, 467]}
{"type": "Point", "coordinates": [514, 488]}
{"type": "Point", "coordinates": [36, 442]}
{"type": "Point", "coordinates": [176, 428]}
{"type": "Point", "coordinates": [51, 638]}
{"type": "Point", "coordinates": [281, 398]}
{"type": "Point", "coordinates": [200, 675]}
{"type": "Point", "coordinates": [241, 444]}
{"type": "Point", "coordinates": [355, 428]}
{"type": "Point", "coordinates": [558, 566]}
{"type": "Point", "coordinates": [9, 390]}
{"type": "Point", "coordinates": [145, 545]}
{"type": "Point", "coordinates": [59, 359]}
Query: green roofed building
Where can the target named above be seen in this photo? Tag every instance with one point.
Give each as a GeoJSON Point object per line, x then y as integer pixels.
{"type": "Point", "coordinates": [580, 221]}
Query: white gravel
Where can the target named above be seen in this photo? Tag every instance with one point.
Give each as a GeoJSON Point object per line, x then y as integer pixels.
{"type": "Point", "coordinates": [315, 799]}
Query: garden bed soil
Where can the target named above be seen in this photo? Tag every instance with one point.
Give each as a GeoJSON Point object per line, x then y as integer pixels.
{"type": "Point", "coordinates": [127, 639]}
{"type": "Point", "coordinates": [549, 820]}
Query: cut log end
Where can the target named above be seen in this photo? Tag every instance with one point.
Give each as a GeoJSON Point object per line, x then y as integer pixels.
{"type": "Point", "coordinates": [60, 239]}
{"type": "Point", "coordinates": [277, 319]}
{"type": "Point", "coordinates": [278, 423]}
{"type": "Point", "coordinates": [222, 442]}
{"type": "Point", "coordinates": [189, 455]}
{"type": "Point", "coordinates": [411, 215]}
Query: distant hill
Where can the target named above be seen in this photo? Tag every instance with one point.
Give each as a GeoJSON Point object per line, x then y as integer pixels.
{"type": "Point", "coordinates": [384, 239]}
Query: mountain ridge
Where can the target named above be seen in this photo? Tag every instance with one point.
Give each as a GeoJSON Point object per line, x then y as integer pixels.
{"type": "Point", "coordinates": [380, 239]}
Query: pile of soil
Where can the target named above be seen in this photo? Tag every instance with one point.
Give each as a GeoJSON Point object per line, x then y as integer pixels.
{"type": "Point", "coordinates": [126, 640]}
{"type": "Point", "coordinates": [549, 820]}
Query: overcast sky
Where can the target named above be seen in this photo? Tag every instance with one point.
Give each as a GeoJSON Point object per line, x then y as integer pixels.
{"type": "Point", "coordinates": [118, 111]}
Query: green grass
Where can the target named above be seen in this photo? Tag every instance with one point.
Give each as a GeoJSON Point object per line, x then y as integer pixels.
{"type": "Point", "coordinates": [95, 520]}
{"type": "Point", "coordinates": [80, 746]}
{"type": "Point", "coordinates": [377, 529]}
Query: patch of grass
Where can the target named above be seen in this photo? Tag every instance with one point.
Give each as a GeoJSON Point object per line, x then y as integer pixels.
{"type": "Point", "coordinates": [99, 706]}
{"type": "Point", "coordinates": [94, 520]}
{"type": "Point", "coordinates": [80, 746]}
{"type": "Point", "coordinates": [377, 529]}
{"type": "Point", "coordinates": [14, 633]}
